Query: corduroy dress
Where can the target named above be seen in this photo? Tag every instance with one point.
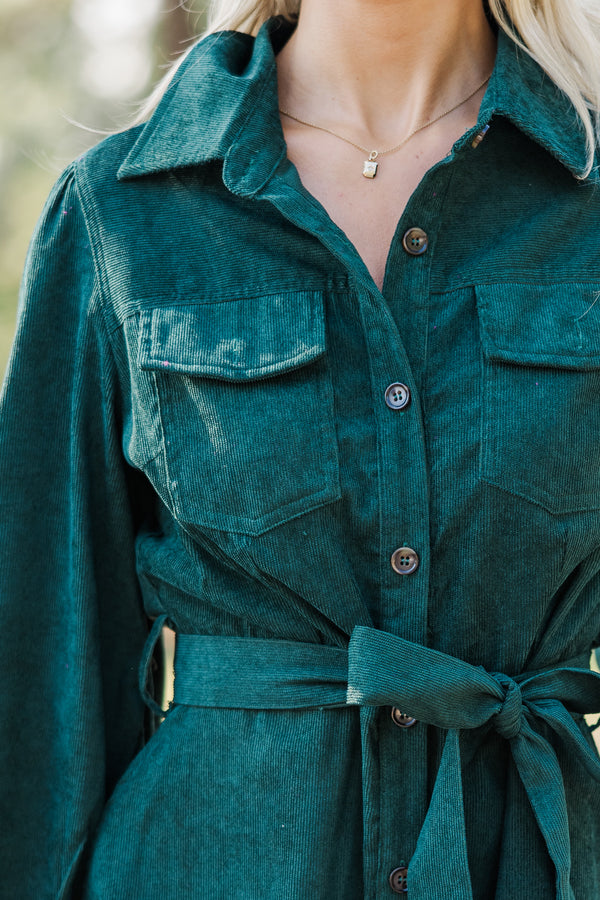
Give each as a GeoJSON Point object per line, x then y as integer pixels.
{"type": "Point", "coordinates": [371, 517]}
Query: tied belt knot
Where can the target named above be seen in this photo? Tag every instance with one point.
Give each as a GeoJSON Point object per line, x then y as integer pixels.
{"type": "Point", "coordinates": [508, 720]}
{"type": "Point", "coordinates": [381, 669]}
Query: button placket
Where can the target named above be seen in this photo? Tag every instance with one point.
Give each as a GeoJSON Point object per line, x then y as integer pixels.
{"type": "Point", "coordinates": [391, 325]}
{"type": "Point", "coordinates": [403, 745]}
{"type": "Point", "coordinates": [398, 348]}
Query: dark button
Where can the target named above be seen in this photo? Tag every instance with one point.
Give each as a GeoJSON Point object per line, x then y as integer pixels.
{"type": "Point", "coordinates": [397, 396]}
{"type": "Point", "coordinates": [402, 719]}
{"type": "Point", "coordinates": [415, 241]}
{"type": "Point", "coordinates": [405, 561]}
{"type": "Point", "coordinates": [398, 879]}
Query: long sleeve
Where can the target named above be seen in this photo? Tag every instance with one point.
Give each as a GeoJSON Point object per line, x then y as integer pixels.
{"type": "Point", "coordinates": [71, 617]}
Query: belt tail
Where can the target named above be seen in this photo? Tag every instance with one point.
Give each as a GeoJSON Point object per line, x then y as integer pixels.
{"type": "Point", "coordinates": [442, 844]}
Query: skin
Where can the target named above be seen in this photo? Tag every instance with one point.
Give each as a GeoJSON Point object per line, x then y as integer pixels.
{"type": "Point", "coordinates": [373, 70]}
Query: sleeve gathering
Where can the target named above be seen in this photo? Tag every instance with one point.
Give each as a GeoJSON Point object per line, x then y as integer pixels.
{"type": "Point", "coordinates": [72, 621]}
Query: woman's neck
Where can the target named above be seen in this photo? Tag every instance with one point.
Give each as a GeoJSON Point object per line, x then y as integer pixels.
{"type": "Point", "coordinates": [378, 68]}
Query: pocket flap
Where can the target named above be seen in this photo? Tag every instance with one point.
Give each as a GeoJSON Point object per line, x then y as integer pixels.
{"type": "Point", "coordinates": [239, 339]}
{"type": "Point", "coordinates": [554, 325]}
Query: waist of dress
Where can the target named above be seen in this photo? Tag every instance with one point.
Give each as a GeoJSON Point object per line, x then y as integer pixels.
{"type": "Point", "coordinates": [381, 669]}
{"type": "Point", "coordinates": [376, 669]}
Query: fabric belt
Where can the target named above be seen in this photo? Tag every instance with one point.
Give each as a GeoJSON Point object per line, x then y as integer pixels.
{"type": "Point", "coordinates": [380, 669]}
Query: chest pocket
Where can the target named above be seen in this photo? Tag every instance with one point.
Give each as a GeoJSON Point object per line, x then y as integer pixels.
{"type": "Point", "coordinates": [246, 407]}
{"type": "Point", "coordinates": [541, 392]}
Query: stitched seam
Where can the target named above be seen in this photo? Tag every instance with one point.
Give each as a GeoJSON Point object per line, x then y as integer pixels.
{"type": "Point", "coordinates": [163, 450]}
{"type": "Point", "coordinates": [85, 194]}
{"type": "Point", "coordinates": [507, 282]}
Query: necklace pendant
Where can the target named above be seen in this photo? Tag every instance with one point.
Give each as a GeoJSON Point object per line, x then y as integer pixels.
{"type": "Point", "coordinates": [370, 168]}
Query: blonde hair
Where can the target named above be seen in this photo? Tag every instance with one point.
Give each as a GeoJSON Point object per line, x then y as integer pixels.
{"type": "Point", "coordinates": [562, 36]}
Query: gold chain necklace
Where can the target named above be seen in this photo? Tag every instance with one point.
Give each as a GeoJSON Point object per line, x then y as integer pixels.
{"type": "Point", "coordinates": [371, 165]}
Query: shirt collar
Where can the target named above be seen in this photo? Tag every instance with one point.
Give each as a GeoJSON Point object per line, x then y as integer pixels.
{"type": "Point", "coordinates": [222, 105]}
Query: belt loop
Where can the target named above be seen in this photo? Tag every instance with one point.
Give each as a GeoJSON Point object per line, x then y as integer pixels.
{"type": "Point", "coordinates": [145, 664]}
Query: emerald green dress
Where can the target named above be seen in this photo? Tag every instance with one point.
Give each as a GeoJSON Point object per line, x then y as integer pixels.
{"type": "Point", "coordinates": [371, 517]}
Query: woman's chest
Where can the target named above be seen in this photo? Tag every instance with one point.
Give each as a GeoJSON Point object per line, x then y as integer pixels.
{"type": "Point", "coordinates": [298, 430]}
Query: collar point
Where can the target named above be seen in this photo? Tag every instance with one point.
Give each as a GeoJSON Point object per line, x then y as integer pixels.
{"type": "Point", "coordinates": [127, 171]}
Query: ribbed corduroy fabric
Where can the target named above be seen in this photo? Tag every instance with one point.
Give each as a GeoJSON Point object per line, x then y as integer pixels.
{"type": "Point", "coordinates": [194, 430]}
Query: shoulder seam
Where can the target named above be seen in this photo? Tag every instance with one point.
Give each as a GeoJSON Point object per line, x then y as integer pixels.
{"type": "Point", "coordinates": [89, 214]}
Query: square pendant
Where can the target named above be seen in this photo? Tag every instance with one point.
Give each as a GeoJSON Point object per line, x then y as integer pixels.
{"type": "Point", "coordinates": [370, 168]}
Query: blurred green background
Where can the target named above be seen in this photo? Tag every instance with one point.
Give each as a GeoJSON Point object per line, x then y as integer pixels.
{"type": "Point", "coordinates": [64, 62]}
